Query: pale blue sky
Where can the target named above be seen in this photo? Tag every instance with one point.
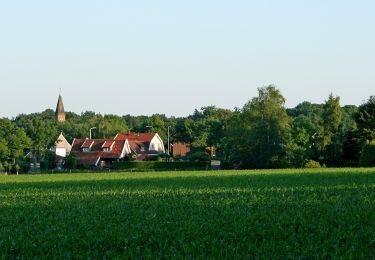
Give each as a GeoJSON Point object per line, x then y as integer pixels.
{"type": "Point", "coordinates": [144, 57]}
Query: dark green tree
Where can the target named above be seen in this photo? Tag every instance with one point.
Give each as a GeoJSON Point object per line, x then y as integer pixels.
{"type": "Point", "coordinates": [42, 130]}
{"type": "Point", "coordinates": [13, 142]}
{"type": "Point", "coordinates": [352, 146]}
{"type": "Point", "coordinates": [365, 119]}
{"type": "Point", "coordinates": [298, 142]}
{"type": "Point", "coordinates": [70, 162]}
{"type": "Point", "coordinates": [367, 158]}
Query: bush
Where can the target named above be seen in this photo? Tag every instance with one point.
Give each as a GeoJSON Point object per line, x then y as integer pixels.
{"type": "Point", "coordinates": [160, 166]}
{"type": "Point", "coordinates": [198, 157]}
{"type": "Point", "coordinates": [367, 158]}
{"type": "Point", "coordinates": [312, 164]}
{"type": "Point", "coordinates": [48, 161]}
{"type": "Point", "coordinates": [71, 162]}
{"type": "Point", "coordinates": [158, 158]}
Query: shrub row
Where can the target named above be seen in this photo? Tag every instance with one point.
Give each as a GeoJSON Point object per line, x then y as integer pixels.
{"type": "Point", "coordinates": [160, 166]}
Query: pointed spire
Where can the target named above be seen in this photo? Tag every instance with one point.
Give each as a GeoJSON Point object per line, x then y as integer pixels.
{"type": "Point", "coordinates": [60, 112]}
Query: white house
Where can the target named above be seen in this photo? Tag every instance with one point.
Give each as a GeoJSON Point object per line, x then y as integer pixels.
{"type": "Point", "coordinates": [62, 146]}
{"type": "Point", "coordinates": [143, 145]}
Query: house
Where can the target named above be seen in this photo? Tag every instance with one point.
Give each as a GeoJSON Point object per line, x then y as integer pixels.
{"type": "Point", "coordinates": [143, 145]}
{"type": "Point", "coordinates": [61, 149]}
{"type": "Point", "coordinates": [100, 152]}
{"type": "Point", "coordinates": [180, 149]}
{"type": "Point", "coordinates": [62, 146]}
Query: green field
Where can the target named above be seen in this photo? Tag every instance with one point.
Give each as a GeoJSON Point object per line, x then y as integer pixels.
{"type": "Point", "coordinates": [229, 214]}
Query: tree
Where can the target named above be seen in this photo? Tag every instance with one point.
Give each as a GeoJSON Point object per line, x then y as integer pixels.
{"type": "Point", "coordinates": [312, 111]}
{"type": "Point", "coordinates": [17, 168]}
{"type": "Point", "coordinates": [260, 131]}
{"type": "Point", "coordinates": [110, 125]}
{"type": "Point", "coordinates": [367, 158]}
{"type": "Point", "coordinates": [298, 142]}
{"type": "Point", "coordinates": [4, 149]}
{"type": "Point", "coordinates": [41, 129]}
{"type": "Point", "coordinates": [71, 162]}
{"type": "Point", "coordinates": [205, 128]}
{"type": "Point", "coordinates": [330, 132]}
{"type": "Point", "coordinates": [365, 119]}
{"type": "Point", "coordinates": [352, 146]}
{"type": "Point", "coordinates": [13, 142]}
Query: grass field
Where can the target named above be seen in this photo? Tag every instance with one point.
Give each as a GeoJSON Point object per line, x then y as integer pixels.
{"type": "Point", "coordinates": [230, 214]}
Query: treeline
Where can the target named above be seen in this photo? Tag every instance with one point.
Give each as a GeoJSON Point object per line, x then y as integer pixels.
{"type": "Point", "coordinates": [262, 134]}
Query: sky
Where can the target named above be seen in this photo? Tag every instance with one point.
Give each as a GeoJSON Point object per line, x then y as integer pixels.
{"type": "Point", "coordinates": [171, 57]}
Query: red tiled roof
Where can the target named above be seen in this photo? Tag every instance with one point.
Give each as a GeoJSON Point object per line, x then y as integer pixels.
{"type": "Point", "coordinates": [87, 143]}
{"type": "Point", "coordinates": [139, 142]}
{"type": "Point", "coordinates": [108, 144]}
{"type": "Point", "coordinates": [142, 137]}
{"type": "Point", "coordinates": [90, 158]}
{"type": "Point", "coordinates": [137, 146]}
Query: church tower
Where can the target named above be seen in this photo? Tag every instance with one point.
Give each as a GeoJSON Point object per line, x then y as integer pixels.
{"type": "Point", "coordinates": [60, 113]}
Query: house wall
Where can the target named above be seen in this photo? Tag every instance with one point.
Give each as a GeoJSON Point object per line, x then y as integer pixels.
{"type": "Point", "coordinates": [62, 147]}
{"type": "Point", "coordinates": [157, 144]}
{"type": "Point", "coordinates": [61, 152]}
{"type": "Point", "coordinates": [180, 149]}
{"type": "Point", "coordinates": [126, 150]}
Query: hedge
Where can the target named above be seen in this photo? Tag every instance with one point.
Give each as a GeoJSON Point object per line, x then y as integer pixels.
{"type": "Point", "coordinates": [160, 166]}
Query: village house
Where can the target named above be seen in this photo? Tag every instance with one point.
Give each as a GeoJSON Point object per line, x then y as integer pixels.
{"type": "Point", "coordinates": [61, 149]}
{"type": "Point", "coordinates": [62, 146]}
{"type": "Point", "coordinates": [103, 152]}
{"type": "Point", "coordinates": [143, 145]}
{"type": "Point", "coordinates": [100, 152]}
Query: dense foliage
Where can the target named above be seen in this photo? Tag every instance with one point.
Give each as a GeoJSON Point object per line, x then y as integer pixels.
{"type": "Point", "coordinates": [367, 158]}
{"type": "Point", "coordinates": [256, 134]}
{"type": "Point", "coordinates": [262, 134]}
{"type": "Point", "coordinates": [288, 214]}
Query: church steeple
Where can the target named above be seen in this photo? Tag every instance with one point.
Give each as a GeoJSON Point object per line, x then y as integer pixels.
{"type": "Point", "coordinates": [60, 112]}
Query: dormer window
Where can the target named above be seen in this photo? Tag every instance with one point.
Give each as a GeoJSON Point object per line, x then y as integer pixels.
{"type": "Point", "coordinates": [86, 146]}
{"type": "Point", "coordinates": [107, 146]}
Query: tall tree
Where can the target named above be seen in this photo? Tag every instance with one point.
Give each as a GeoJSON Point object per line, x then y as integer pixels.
{"type": "Point", "coordinates": [261, 128]}
{"type": "Point", "coordinates": [330, 133]}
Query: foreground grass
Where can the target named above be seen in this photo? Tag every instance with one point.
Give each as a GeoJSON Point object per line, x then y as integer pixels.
{"type": "Point", "coordinates": [229, 214]}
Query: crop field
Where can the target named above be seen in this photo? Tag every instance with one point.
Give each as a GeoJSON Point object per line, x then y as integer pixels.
{"type": "Point", "coordinates": [320, 213]}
